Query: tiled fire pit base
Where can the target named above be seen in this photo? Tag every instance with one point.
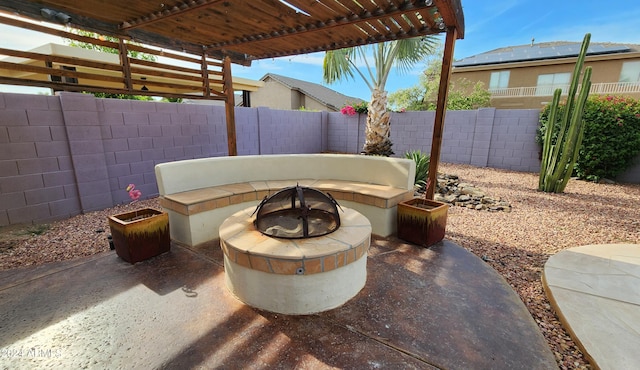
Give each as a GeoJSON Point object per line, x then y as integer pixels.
{"type": "Point", "coordinates": [295, 276]}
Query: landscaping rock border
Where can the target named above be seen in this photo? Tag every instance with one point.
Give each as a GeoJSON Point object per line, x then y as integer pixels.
{"type": "Point", "coordinates": [452, 191]}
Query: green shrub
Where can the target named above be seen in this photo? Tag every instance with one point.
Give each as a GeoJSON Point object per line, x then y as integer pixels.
{"type": "Point", "coordinates": [611, 136]}
{"type": "Point", "coordinates": [422, 167]}
{"type": "Point", "coordinates": [35, 230]}
{"type": "Point", "coordinates": [362, 107]}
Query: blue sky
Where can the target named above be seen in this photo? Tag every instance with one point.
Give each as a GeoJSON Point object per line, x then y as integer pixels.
{"type": "Point", "coordinates": [488, 25]}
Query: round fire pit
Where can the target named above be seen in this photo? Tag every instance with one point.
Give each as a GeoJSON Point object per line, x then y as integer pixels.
{"type": "Point", "coordinates": [298, 212]}
{"type": "Point", "coordinates": [295, 276]}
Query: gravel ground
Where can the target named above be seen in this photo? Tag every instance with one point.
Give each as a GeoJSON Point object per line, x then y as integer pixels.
{"type": "Point", "coordinates": [516, 243]}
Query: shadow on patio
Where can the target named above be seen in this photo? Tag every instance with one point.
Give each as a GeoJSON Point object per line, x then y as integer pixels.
{"type": "Point", "coordinates": [440, 307]}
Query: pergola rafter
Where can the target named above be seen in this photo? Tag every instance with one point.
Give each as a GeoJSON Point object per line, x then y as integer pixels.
{"type": "Point", "coordinates": [238, 31]}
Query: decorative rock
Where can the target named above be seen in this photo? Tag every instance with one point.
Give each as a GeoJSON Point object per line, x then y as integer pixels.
{"type": "Point", "coordinates": [470, 190]}
{"type": "Point", "coordinates": [449, 198]}
{"type": "Point", "coordinates": [462, 194]}
{"type": "Point", "coordinates": [606, 181]}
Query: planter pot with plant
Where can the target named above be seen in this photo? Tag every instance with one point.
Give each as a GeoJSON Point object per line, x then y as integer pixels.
{"type": "Point", "coordinates": [421, 221]}
{"type": "Point", "coordinates": [141, 234]}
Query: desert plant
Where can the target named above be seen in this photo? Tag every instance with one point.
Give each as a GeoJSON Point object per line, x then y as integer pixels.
{"type": "Point", "coordinates": [422, 167]}
{"type": "Point", "coordinates": [611, 136]}
{"type": "Point", "coordinates": [35, 230]}
{"type": "Point", "coordinates": [559, 158]}
{"type": "Point", "coordinates": [362, 107]}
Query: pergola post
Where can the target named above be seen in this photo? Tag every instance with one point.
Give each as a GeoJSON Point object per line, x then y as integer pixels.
{"type": "Point", "coordinates": [229, 107]}
{"type": "Point", "coordinates": [125, 64]}
{"type": "Point", "coordinates": [204, 67]}
{"type": "Point", "coordinates": [441, 107]}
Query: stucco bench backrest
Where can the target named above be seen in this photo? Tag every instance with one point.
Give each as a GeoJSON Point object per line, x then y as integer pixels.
{"type": "Point", "coordinates": [179, 176]}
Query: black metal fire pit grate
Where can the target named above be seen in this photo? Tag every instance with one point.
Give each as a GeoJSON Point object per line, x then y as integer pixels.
{"type": "Point", "coordinates": [297, 212]}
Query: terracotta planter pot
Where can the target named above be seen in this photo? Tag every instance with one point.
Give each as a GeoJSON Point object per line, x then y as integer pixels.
{"type": "Point", "coordinates": [422, 221]}
{"type": "Point", "coordinates": [141, 234]}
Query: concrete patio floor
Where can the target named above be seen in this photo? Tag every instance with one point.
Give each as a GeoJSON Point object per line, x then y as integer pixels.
{"type": "Point", "coordinates": [440, 307]}
{"type": "Point", "coordinates": [595, 289]}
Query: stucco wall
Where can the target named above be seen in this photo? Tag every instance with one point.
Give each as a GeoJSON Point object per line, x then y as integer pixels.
{"type": "Point", "coordinates": [273, 94]}
{"type": "Point", "coordinates": [311, 104]}
{"type": "Point", "coordinates": [71, 153]}
{"type": "Point", "coordinates": [606, 69]}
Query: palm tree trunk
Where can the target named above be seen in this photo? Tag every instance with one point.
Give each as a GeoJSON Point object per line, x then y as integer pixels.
{"type": "Point", "coordinates": [378, 129]}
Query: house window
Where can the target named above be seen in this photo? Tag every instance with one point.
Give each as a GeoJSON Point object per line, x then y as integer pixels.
{"type": "Point", "coordinates": [630, 72]}
{"type": "Point", "coordinates": [499, 80]}
{"type": "Point", "coordinates": [547, 83]}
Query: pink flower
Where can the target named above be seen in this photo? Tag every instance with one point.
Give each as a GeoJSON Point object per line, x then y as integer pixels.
{"type": "Point", "coordinates": [134, 194]}
{"type": "Point", "coordinates": [348, 110]}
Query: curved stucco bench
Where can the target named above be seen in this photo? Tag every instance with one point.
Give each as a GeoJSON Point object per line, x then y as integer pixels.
{"type": "Point", "coordinates": [199, 194]}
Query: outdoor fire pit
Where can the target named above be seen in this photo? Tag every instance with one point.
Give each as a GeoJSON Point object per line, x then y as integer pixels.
{"type": "Point", "coordinates": [295, 274]}
{"type": "Point", "coordinates": [298, 212]}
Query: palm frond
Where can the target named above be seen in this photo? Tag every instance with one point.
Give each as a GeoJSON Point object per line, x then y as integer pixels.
{"type": "Point", "coordinates": [412, 51]}
{"type": "Point", "coordinates": [404, 54]}
{"type": "Point", "coordinates": [336, 65]}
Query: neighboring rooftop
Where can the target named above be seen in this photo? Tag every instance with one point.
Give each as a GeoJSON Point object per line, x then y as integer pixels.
{"type": "Point", "coordinates": [324, 95]}
{"type": "Point", "coordinates": [542, 51]}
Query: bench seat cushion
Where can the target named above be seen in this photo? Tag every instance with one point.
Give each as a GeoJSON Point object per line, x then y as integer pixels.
{"type": "Point", "coordinates": [201, 200]}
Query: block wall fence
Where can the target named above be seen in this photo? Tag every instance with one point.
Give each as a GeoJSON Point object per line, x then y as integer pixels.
{"type": "Point", "coordinates": [71, 153]}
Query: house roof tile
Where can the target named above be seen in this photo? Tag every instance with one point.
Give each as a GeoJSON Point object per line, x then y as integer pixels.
{"type": "Point", "coordinates": [542, 51]}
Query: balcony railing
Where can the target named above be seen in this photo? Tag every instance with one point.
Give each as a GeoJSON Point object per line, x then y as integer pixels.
{"type": "Point", "coordinates": [614, 88]}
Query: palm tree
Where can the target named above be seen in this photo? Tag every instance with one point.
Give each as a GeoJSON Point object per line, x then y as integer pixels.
{"type": "Point", "coordinates": [403, 54]}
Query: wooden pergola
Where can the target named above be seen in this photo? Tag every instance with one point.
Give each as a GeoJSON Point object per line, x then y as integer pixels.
{"type": "Point", "coordinates": [236, 31]}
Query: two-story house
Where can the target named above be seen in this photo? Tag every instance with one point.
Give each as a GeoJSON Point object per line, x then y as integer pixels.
{"type": "Point", "coordinates": [525, 76]}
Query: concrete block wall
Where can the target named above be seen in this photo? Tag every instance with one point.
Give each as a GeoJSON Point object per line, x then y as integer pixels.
{"type": "Point", "coordinates": [247, 132]}
{"type": "Point", "coordinates": [488, 137]}
{"type": "Point", "coordinates": [412, 131]}
{"type": "Point", "coordinates": [485, 137]}
{"type": "Point", "coordinates": [458, 137]}
{"type": "Point", "coordinates": [290, 132]}
{"type": "Point", "coordinates": [482, 132]}
{"type": "Point", "coordinates": [37, 180]}
{"type": "Point", "coordinates": [86, 146]}
{"type": "Point", "coordinates": [71, 153]}
{"type": "Point", "coordinates": [137, 135]}
{"type": "Point", "coordinates": [513, 140]}
{"type": "Point", "coordinates": [345, 134]}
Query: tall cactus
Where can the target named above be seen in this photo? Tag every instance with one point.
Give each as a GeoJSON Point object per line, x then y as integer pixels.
{"type": "Point", "coordinates": [559, 159]}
